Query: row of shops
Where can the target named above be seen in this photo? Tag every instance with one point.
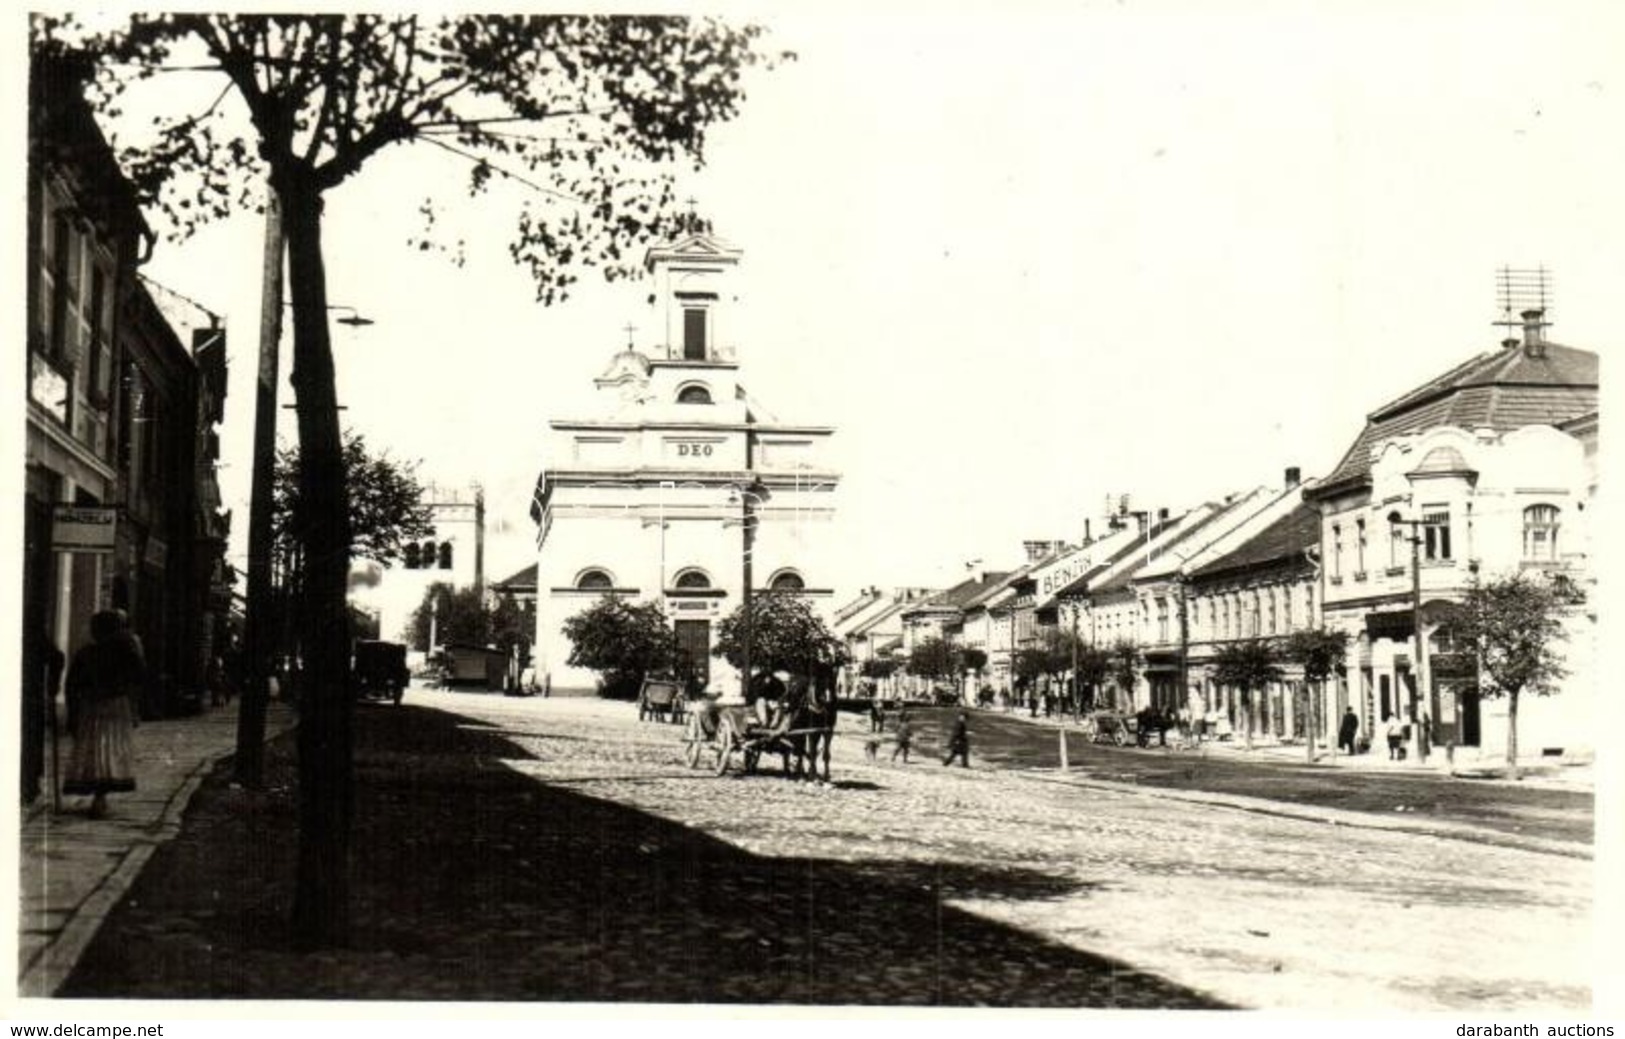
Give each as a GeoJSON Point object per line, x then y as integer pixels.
{"type": "Point", "coordinates": [1487, 470]}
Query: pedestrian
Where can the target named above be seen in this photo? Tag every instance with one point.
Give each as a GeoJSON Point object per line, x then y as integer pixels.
{"type": "Point", "coordinates": [1396, 738]}
{"type": "Point", "coordinates": [876, 720]}
{"type": "Point", "coordinates": [905, 736]}
{"type": "Point", "coordinates": [42, 675]}
{"type": "Point", "coordinates": [1347, 730]}
{"type": "Point", "coordinates": [104, 680]}
{"type": "Point", "coordinates": [959, 743]}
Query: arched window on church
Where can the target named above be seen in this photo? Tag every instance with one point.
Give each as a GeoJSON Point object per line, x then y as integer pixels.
{"type": "Point", "coordinates": [428, 554]}
{"type": "Point", "coordinates": [694, 395]}
{"type": "Point", "coordinates": [410, 552]}
{"type": "Point", "coordinates": [787, 581]}
{"type": "Point", "coordinates": [594, 580]}
{"type": "Point", "coordinates": [692, 579]}
{"type": "Point", "coordinates": [445, 555]}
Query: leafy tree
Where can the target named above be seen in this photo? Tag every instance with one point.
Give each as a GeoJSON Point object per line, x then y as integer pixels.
{"type": "Point", "coordinates": [1249, 665]}
{"type": "Point", "coordinates": [1031, 661]}
{"type": "Point", "coordinates": [1124, 666]}
{"type": "Point", "coordinates": [458, 615]}
{"type": "Point", "coordinates": [879, 667]}
{"type": "Point", "coordinates": [1514, 625]}
{"type": "Point", "coordinates": [936, 660]}
{"type": "Point", "coordinates": [1322, 653]}
{"type": "Point", "coordinates": [785, 635]}
{"type": "Point", "coordinates": [975, 660]}
{"type": "Point", "coordinates": [623, 641]}
{"type": "Point", "coordinates": [586, 113]}
{"type": "Point", "coordinates": [387, 510]}
{"type": "Point", "coordinates": [1094, 666]}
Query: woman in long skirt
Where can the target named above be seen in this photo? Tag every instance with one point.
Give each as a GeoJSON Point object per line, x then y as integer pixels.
{"type": "Point", "coordinates": [103, 681]}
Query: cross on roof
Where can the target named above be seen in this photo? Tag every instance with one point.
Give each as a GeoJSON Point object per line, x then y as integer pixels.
{"type": "Point", "coordinates": [630, 328]}
{"type": "Point", "coordinates": [693, 215]}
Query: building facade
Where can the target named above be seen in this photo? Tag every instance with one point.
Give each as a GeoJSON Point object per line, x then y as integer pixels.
{"type": "Point", "coordinates": [453, 554]}
{"type": "Point", "coordinates": [1479, 470]}
{"type": "Point", "coordinates": [681, 487]}
{"type": "Point", "coordinates": [121, 508]}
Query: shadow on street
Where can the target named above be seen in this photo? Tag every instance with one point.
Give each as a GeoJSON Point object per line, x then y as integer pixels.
{"type": "Point", "coordinates": [473, 882]}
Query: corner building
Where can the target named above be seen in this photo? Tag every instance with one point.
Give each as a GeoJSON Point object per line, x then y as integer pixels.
{"type": "Point", "coordinates": [651, 499]}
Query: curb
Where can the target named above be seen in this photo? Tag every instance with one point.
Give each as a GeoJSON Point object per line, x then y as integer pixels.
{"type": "Point", "coordinates": [57, 960]}
{"type": "Point", "coordinates": [1327, 816]}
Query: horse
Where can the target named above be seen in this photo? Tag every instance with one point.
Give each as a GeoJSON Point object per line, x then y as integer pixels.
{"type": "Point", "coordinates": [812, 719]}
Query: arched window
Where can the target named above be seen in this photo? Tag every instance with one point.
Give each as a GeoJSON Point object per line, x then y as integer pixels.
{"type": "Point", "coordinates": [1540, 523]}
{"type": "Point", "coordinates": [428, 554]}
{"type": "Point", "coordinates": [788, 581]}
{"type": "Point", "coordinates": [694, 395]}
{"type": "Point", "coordinates": [692, 579]}
{"type": "Point", "coordinates": [445, 555]}
{"type": "Point", "coordinates": [594, 580]}
{"type": "Point", "coordinates": [410, 552]}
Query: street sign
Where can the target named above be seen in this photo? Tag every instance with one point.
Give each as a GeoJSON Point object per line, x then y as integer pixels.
{"type": "Point", "coordinates": [83, 529]}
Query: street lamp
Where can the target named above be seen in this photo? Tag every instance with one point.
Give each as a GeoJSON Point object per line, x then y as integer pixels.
{"type": "Point", "coordinates": [1415, 525]}
{"type": "Point", "coordinates": [747, 498]}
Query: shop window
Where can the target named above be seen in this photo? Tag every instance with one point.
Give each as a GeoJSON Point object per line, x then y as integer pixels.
{"type": "Point", "coordinates": [1540, 523]}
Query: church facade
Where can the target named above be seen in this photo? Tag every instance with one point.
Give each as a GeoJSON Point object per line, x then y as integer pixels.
{"type": "Point", "coordinates": [681, 484]}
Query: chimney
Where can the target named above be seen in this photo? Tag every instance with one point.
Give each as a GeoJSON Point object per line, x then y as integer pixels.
{"type": "Point", "coordinates": [1088, 538]}
{"type": "Point", "coordinates": [1294, 476]}
{"type": "Point", "coordinates": [1162, 515]}
{"type": "Point", "coordinates": [1534, 345]}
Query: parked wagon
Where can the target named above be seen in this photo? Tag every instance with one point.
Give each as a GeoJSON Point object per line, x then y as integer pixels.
{"type": "Point", "coordinates": [661, 698]}
{"type": "Point", "coordinates": [1110, 727]}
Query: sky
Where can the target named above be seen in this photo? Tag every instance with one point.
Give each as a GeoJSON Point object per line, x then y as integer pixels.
{"type": "Point", "coordinates": [1024, 260]}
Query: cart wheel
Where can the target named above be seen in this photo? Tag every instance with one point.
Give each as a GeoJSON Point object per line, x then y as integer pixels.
{"type": "Point", "coordinates": [725, 745]}
{"type": "Point", "coordinates": [691, 750]}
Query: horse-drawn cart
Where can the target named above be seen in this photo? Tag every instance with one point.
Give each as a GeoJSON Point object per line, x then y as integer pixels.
{"type": "Point", "coordinates": [661, 698]}
{"type": "Point", "coordinates": [736, 733]}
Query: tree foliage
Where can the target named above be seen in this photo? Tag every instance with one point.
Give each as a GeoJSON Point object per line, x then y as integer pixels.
{"type": "Point", "coordinates": [1123, 667]}
{"type": "Point", "coordinates": [623, 641]}
{"type": "Point", "coordinates": [458, 615]}
{"type": "Point", "coordinates": [386, 504]}
{"type": "Point", "coordinates": [512, 625]}
{"type": "Point", "coordinates": [1094, 666]}
{"type": "Point", "coordinates": [879, 667]}
{"type": "Point", "coordinates": [1514, 625]}
{"type": "Point", "coordinates": [1248, 665]}
{"type": "Point", "coordinates": [785, 635]}
{"type": "Point", "coordinates": [936, 659]}
{"type": "Point", "coordinates": [1321, 652]}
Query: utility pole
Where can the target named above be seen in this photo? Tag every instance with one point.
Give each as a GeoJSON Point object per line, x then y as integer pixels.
{"type": "Point", "coordinates": [260, 636]}
{"type": "Point", "coordinates": [1419, 668]}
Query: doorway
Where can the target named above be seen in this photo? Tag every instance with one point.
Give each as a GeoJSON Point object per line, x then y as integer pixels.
{"type": "Point", "coordinates": [694, 652]}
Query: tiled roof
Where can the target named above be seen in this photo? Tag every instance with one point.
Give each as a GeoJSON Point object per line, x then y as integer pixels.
{"type": "Point", "coordinates": [1285, 539]}
{"type": "Point", "coordinates": [1503, 390]}
{"type": "Point", "coordinates": [963, 592]}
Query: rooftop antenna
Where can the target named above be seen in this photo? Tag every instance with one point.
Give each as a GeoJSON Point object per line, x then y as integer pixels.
{"type": "Point", "coordinates": [1521, 289]}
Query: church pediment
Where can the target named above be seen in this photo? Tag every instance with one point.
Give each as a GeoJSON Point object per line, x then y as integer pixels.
{"type": "Point", "coordinates": [694, 247]}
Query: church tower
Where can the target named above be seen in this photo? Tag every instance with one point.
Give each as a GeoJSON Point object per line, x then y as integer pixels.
{"type": "Point", "coordinates": [658, 496]}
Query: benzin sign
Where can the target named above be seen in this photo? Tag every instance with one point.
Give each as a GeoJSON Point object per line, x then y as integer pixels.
{"type": "Point", "coordinates": [77, 529]}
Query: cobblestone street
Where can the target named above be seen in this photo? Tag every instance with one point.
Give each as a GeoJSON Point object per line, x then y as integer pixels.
{"type": "Point", "coordinates": [559, 849]}
{"type": "Point", "coordinates": [1256, 910]}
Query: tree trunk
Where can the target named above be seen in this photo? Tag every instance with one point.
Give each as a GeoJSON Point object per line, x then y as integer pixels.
{"type": "Point", "coordinates": [326, 778]}
{"type": "Point", "coordinates": [1512, 733]}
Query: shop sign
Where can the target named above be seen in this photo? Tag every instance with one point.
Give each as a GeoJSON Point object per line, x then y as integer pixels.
{"type": "Point", "coordinates": [80, 529]}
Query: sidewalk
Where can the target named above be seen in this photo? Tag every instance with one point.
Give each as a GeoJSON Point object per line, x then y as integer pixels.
{"type": "Point", "coordinates": [1469, 763]}
{"type": "Point", "coordinates": [74, 869]}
